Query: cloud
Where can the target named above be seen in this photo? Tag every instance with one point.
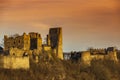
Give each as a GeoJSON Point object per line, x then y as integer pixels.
{"type": "Point", "coordinates": [50, 12]}
{"type": "Point", "coordinates": [83, 19]}
{"type": "Point", "coordinates": [40, 26]}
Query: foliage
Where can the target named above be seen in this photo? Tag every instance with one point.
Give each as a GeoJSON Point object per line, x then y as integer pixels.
{"type": "Point", "coordinates": [55, 69]}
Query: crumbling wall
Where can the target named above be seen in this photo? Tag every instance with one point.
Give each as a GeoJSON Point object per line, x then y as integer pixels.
{"type": "Point", "coordinates": [112, 56]}
{"type": "Point", "coordinates": [16, 52]}
{"type": "Point", "coordinates": [35, 41]}
{"type": "Point", "coordinates": [56, 41]}
{"type": "Point", "coordinates": [12, 62]}
{"type": "Point", "coordinates": [26, 42]}
{"type": "Point", "coordinates": [20, 42]}
{"type": "Point", "coordinates": [46, 48]}
{"type": "Point", "coordinates": [87, 57]}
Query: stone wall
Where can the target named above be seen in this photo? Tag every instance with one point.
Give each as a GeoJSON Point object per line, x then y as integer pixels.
{"type": "Point", "coordinates": [11, 62]}
{"type": "Point", "coordinates": [26, 42]}
{"type": "Point", "coordinates": [20, 42]}
{"type": "Point", "coordinates": [87, 57]}
{"type": "Point", "coordinates": [17, 45]}
{"type": "Point", "coordinates": [16, 52]}
{"type": "Point", "coordinates": [46, 48]}
{"type": "Point", "coordinates": [35, 41]}
{"type": "Point", "coordinates": [56, 41]}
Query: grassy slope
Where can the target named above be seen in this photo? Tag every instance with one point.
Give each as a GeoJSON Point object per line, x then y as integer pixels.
{"type": "Point", "coordinates": [65, 70]}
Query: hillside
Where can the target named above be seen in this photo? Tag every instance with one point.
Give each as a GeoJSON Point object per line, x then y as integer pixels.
{"type": "Point", "coordinates": [65, 70]}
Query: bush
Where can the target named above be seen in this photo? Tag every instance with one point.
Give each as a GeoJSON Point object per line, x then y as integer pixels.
{"type": "Point", "coordinates": [100, 71]}
{"type": "Point", "coordinates": [56, 69]}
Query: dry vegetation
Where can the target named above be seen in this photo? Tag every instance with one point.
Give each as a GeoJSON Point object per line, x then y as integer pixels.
{"type": "Point", "coordinates": [65, 70]}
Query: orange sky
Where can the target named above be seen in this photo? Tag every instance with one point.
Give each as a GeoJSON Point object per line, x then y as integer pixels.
{"type": "Point", "coordinates": [86, 23]}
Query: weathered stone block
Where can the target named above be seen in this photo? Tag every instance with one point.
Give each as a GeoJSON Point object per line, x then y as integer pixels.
{"type": "Point", "coordinates": [11, 62]}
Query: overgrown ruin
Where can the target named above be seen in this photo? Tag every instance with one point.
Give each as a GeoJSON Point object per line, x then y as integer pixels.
{"type": "Point", "coordinates": [95, 54]}
{"type": "Point", "coordinates": [19, 48]}
{"type": "Point", "coordinates": [31, 44]}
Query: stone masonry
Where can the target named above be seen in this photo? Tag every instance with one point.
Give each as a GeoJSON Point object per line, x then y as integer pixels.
{"type": "Point", "coordinates": [33, 41]}
{"type": "Point", "coordinates": [19, 47]}
{"type": "Point", "coordinates": [54, 42]}
{"type": "Point", "coordinates": [26, 42]}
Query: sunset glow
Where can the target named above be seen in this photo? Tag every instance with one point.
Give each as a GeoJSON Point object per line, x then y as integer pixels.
{"type": "Point", "coordinates": [85, 23]}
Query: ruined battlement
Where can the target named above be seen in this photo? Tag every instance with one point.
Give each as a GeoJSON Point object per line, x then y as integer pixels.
{"type": "Point", "coordinates": [102, 51]}
{"type": "Point", "coordinates": [26, 42]}
{"type": "Point", "coordinates": [33, 41]}
{"type": "Point", "coordinates": [87, 57]}
{"type": "Point", "coordinates": [95, 54]}
{"type": "Point", "coordinates": [20, 47]}
{"type": "Point", "coordinates": [34, 35]}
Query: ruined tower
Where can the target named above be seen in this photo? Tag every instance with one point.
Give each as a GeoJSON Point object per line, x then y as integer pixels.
{"type": "Point", "coordinates": [55, 35]}
{"type": "Point", "coordinates": [35, 41]}
{"type": "Point", "coordinates": [26, 42]}
{"type": "Point", "coordinates": [20, 42]}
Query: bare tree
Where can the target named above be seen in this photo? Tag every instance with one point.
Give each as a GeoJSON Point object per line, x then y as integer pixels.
{"type": "Point", "coordinates": [2, 43]}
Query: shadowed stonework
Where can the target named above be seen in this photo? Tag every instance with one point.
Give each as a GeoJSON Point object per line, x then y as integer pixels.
{"type": "Point", "coordinates": [26, 42]}
{"type": "Point", "coordinates": [33, 41]}
{"type": "Point", "coordinates": [95, 54]}
{"type": "Point", "coordinates": [26, 45]}
{"type": "Point", "coordinates": [56, 41]}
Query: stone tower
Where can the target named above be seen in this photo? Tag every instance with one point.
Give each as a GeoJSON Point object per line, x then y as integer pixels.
{"type": "Point", "coordinates": [26, 41]}
{"type": "Point", "coordinates": [35, 41]}
{"type": "Point", "coordinates": [20, 42]}
{"type": "Point", "coordinates": [55, 35]}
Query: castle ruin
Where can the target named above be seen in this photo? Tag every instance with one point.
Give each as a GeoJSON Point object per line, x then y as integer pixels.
{"type": "Point", "coordinates": [18, 46]}
{"type": "Point", "coordinates": [26, 42]}
{"type": "Point", "coordinates": [95, 54]}
{"type": "Point", "coordinates": [21, 47]}
{"type": "Point", "coordinates": [54, 42]}
{"type": "Point", "coordinates": [33, 41]}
